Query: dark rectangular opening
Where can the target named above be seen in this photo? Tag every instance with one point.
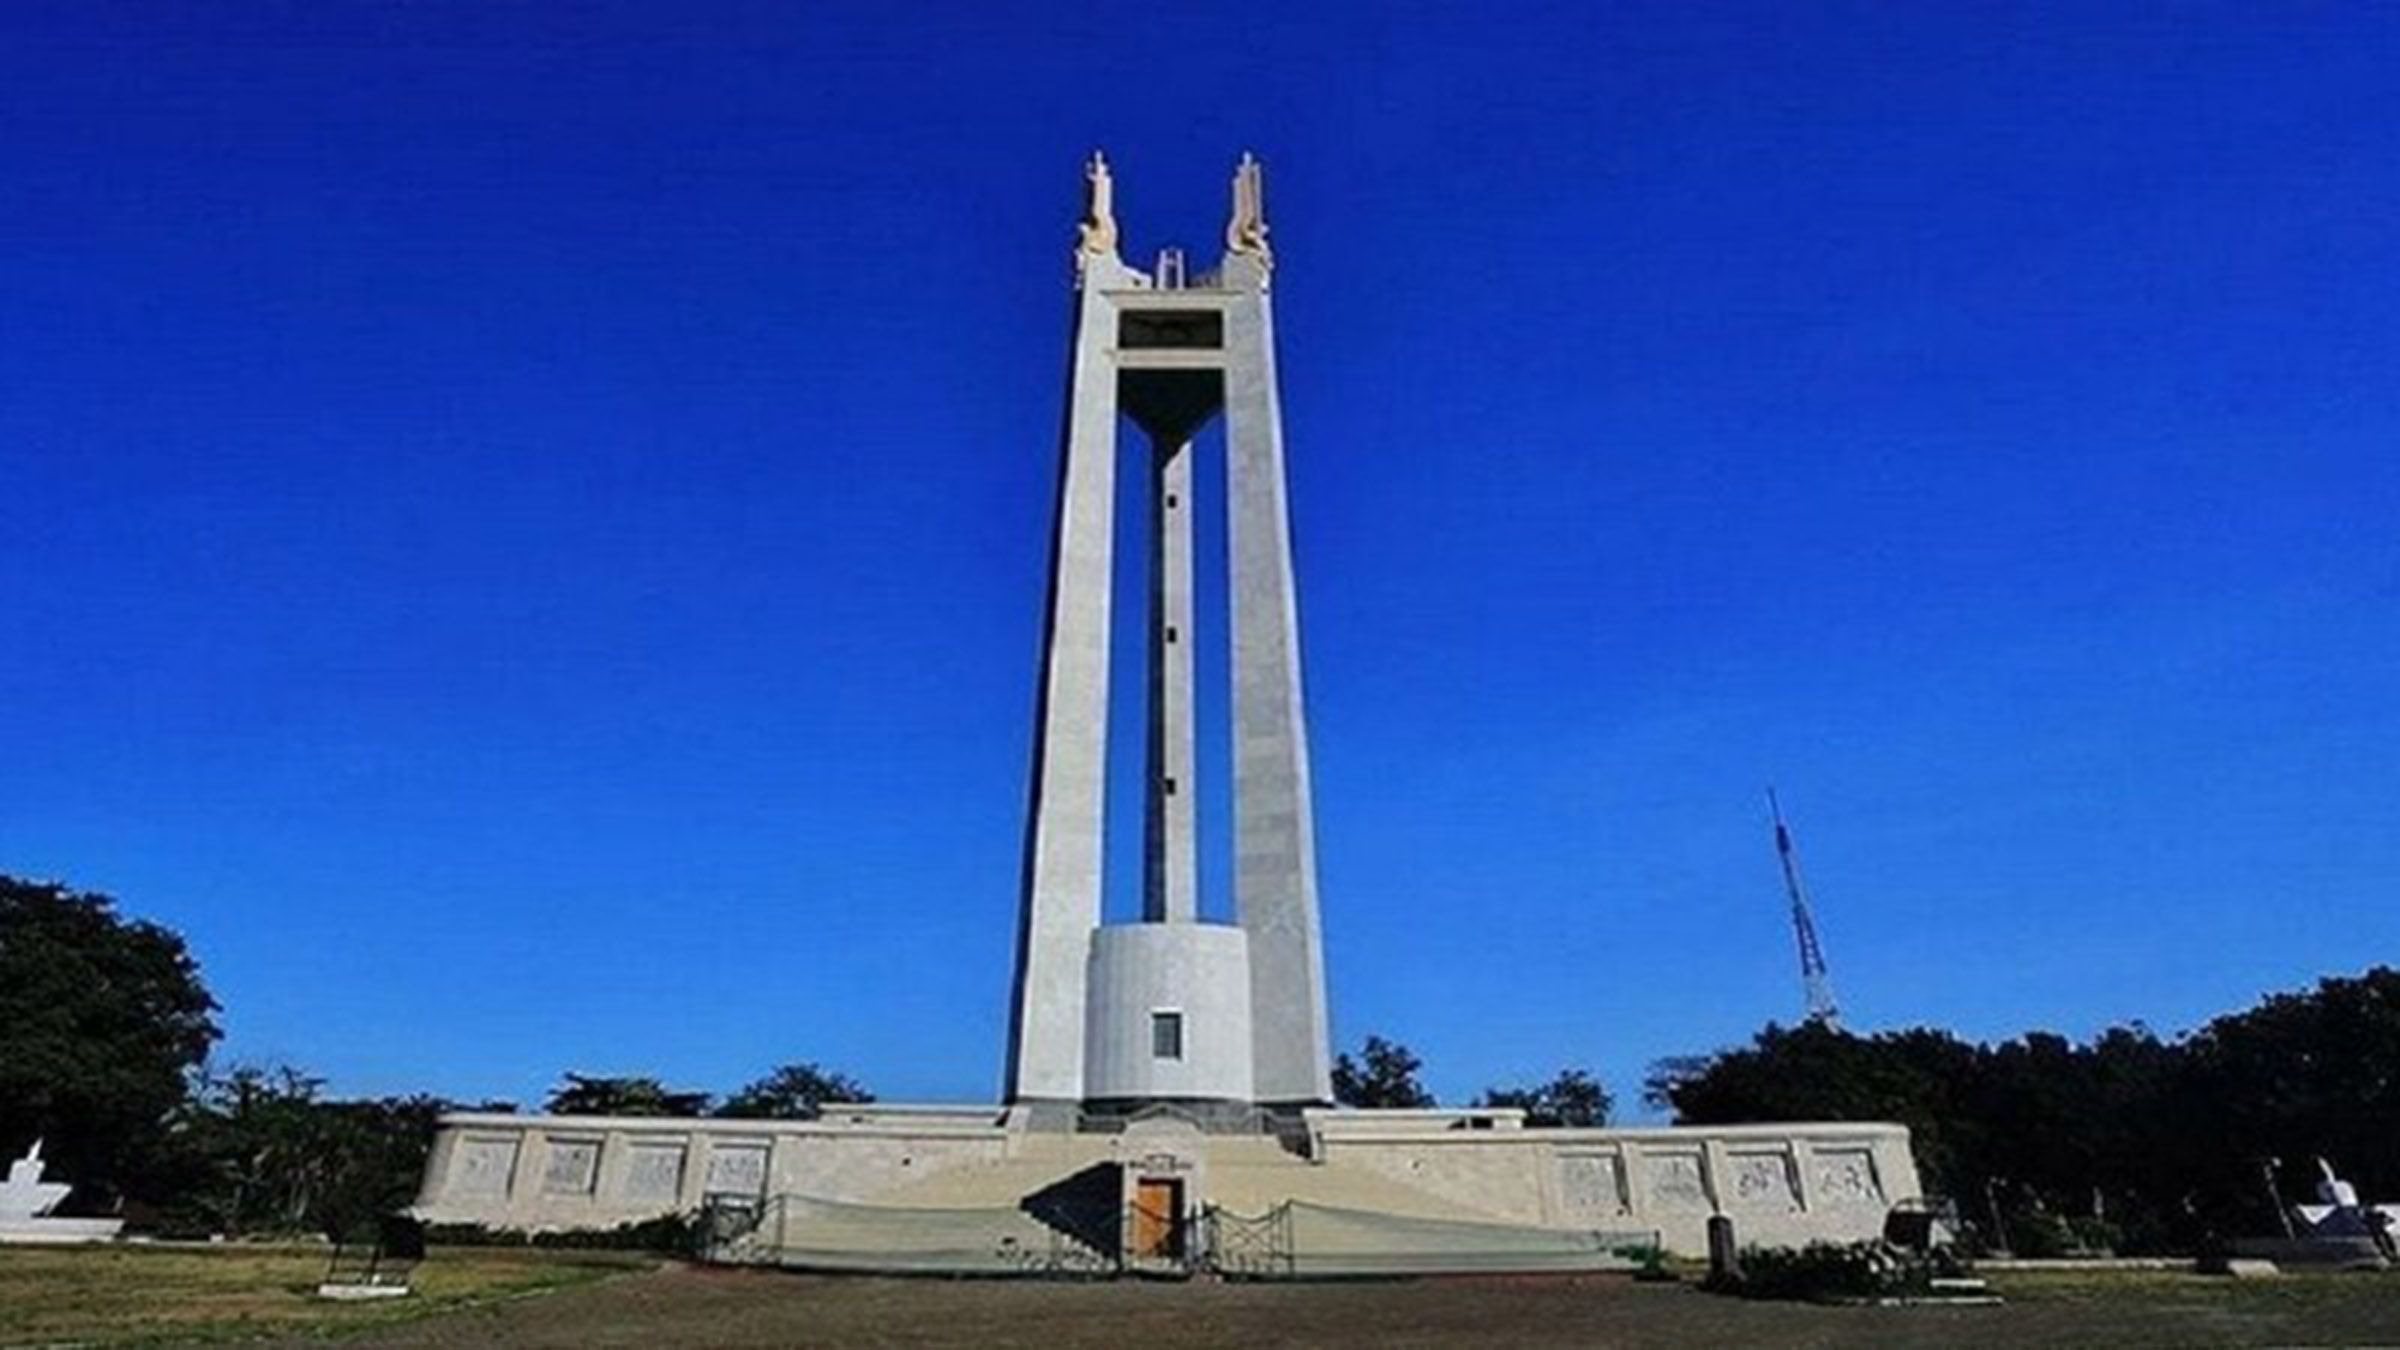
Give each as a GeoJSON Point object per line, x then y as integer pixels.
{"type": "Point", "coordinates": [1202, 329]}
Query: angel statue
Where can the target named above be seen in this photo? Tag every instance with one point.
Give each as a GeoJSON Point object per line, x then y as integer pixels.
{"type": "Point", "coordinates": [1099, 228]}
{"type": "Point", "coordinates": [1246, 232]}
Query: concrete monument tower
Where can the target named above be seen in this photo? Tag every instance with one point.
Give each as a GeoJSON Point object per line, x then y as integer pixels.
{"type": "Point", "coordinates": [1171, 1009]}
{"type": "Point", "coordinates": [1212, 1020]}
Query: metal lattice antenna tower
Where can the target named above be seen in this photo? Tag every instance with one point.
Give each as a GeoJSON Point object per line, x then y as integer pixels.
{"type": "Point", "coordinates": [1815, 983]}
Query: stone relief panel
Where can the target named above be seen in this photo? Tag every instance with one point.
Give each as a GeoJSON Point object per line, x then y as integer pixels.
{"type": "Point", "coordinates": [481, 1168]}
{"type": "Point", "coordinates": [1846, 1176]}
{"type": "Point", "coordinates": [1592, 1185]}
{"type": "Point", "coordinates": [1676, 1181]}
{"type": "Point", "coordinates": [737, 1169]}
{"type": "Point", "coordinates": [1765, 1181]}
{"type": "Point", "coordinates": [570, 1166]}
{"type": "Point", "coordinates": [654, 1173]}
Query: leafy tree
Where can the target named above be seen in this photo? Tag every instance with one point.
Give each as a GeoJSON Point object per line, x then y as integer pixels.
{"type": "Point", "coordinates": [1574, 1099]}
{"type": "Point", "coordinates": [2307, 1075]}
{"type": "Point", "coordinates": [1815, 1071]}
{"type": "Point", "coordinates": [2126, 1140]}
{"type": "Point", "coordinates": [101, 1019]}
{"type": "Point", "coordinates": [793, 1092]}
{"type": "Point", "coordinates": [253, 1141]}
{"type": "Point", "coordinates": [259, 1151]}
{"type": "Point", "coordinates": [589, 1095]}
{"type": "Point", "coordinates": [378, 1149]}
{"type": "Point", "coordinates": [1383, 1075]}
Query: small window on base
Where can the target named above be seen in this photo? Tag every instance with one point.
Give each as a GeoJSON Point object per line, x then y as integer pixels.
{"type": "Point", "coordinates": [1166, 1035]}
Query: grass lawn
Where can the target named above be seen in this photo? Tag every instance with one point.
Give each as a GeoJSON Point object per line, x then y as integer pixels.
{"type": "Point", "coordinates": [2157, 1307]}
{"type": "Point", "coordinates": [135, 1294]}
{"type": "Point", "coordinates": [115, 1296]}
{"type": "Point", "coordinates": [678, 1306]}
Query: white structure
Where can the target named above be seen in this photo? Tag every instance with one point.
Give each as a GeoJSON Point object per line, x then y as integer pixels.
{"type": "Point", "coordinates": [1091, 1005]}
{"type": "Point", "coordinates": [1173, 1067]}
{"type": "Point", "coordinates": [26, 1201]}
{"type": "Point", "coordinates": [1168, 1018]}
{"type": "Point", "coordinates": [2339, 1215]}
{"type": "Point", "coordinates": [878, 1166]}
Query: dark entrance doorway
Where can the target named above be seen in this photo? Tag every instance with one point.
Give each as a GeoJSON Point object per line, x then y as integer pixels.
{"type": "Point", "coordinates": [1157, 1219]}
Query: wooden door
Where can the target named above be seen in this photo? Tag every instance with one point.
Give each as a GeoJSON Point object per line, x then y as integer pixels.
{"type": "Point", "coordinates": [1157, 1206]}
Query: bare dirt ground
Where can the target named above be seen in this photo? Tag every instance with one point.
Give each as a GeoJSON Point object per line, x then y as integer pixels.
{"type": "Point", "coordinates": [679, 1306]}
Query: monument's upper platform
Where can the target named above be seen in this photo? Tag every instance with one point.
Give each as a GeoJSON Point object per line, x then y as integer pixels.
{"type": "Point", "coordinates": [1246, 266]}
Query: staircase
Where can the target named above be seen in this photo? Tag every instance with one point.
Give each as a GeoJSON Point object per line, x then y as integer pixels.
{"type": "Point", "coordinates": [1040, 1160]}
{"type": "Point", "coordinates": [1252, 1176]}
{"type": "Point", "coordinates": [1248, 1174]}
{"type": "Point", "coordinates": [1054, 1208]}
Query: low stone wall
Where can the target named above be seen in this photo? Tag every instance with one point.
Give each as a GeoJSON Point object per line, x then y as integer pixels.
{"type": "Point", "coordinates": [546, 1173]}
{"type": "Point", "coordinates": [1781, 1184]}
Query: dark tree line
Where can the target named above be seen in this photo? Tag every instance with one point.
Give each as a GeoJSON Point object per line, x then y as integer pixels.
{"type": "Point", "coordinates": [789, 1092]}
{"type": "Point", "coordinates": [105, 1035]}
{"type": "Point", "coordinates": [261, 1150]}
{"type": "Point", "coordinates": [1384, 1075]}
{"type": "Point", "coordinates": [1574, 1099]}
{"type": "Point", "coordinates": [2129, 1140]}
{"type": "Point", "coordinates": [102, 1019]}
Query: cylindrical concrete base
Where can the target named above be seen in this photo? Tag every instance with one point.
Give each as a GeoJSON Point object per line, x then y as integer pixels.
{"type": "Point", "coordinates": [1167, 1015]}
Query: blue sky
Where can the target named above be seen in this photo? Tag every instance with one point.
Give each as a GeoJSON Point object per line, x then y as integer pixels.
{"type": "Point", "coordinates": [527, 523]}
